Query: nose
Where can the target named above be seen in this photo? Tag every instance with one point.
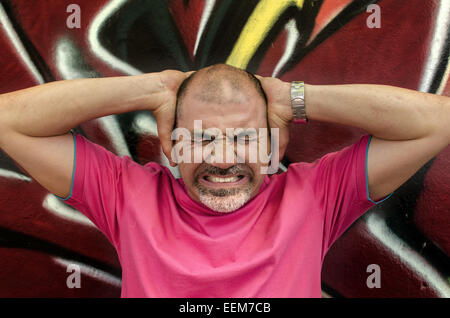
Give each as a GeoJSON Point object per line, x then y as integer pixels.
{"type": "Point", "coordinates": [222, 165]}
{"type": "Point", "coordinates": [222, 155]}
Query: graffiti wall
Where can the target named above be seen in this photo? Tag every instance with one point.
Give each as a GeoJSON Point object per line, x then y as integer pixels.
{"type": "Point", "coordinates": [401, 43]}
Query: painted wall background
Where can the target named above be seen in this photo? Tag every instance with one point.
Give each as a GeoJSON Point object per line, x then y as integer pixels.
{"type": "Point", "coordinates": [318, 41]}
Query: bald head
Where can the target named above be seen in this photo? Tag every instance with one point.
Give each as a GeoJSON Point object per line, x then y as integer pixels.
{"type": "Point", "coordinates": [220, 84]}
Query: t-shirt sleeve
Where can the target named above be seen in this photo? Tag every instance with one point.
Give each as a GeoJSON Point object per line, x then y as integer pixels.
{"type": "Point", "coordinates": [97, 185]}
{"type": "Point", "coordinates": [342, 189]}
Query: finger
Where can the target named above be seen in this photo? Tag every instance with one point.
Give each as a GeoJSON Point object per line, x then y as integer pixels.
{"type": "Point", "coordinates": [166, 145]}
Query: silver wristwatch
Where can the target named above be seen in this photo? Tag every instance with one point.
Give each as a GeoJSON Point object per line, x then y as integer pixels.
{"type": "Point", "coordinates": [298, 101]}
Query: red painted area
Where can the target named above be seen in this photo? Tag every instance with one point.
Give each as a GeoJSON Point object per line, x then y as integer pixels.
{"type": "Point", "coordinates": [148, 149]}
{"type": "Point", "coordinates": [49, 26]}
{"type": "Point", "coordinates": [33, 274]}
{"type": "Point", "coordinates": [187, 16]}
{"type": "Point", "coordinates": [432, 215]}
{"type": "Point", "coordinates": [345, 267]}
{"type": "Point", "coordinates": [446, 91]}
{"type": "Point", "coordinates": [392, 55]}
{"type": "Point", "coordinates": [329, 9]}
{"type": "Point", "coordinates": [12, 64]}
{"type": "Point", "coordinates": [273, 55]}
{"type": "Point", "coordinates": [22, 210]}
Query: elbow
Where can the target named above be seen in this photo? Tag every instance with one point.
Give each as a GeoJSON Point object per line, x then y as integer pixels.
{"type": "Point", "coordinates": [445, 119]}
{"type": "Point", "coordinates": [440, 118]}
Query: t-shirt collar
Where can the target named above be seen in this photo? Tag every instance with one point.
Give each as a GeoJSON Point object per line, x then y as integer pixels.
{"type": "Point", "coordinates": [189, 204]}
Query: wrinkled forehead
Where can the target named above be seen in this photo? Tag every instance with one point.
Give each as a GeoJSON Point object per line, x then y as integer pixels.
{"type": "Point", "coordinates": [222, 102]}
{"type": "Point", "coordinates": [222, 95]}
{"type": "Point", "coordinates": [221, 90]}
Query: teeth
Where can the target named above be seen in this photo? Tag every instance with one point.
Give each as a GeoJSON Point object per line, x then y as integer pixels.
{"type": "Point", "coordinates": [218, 179]}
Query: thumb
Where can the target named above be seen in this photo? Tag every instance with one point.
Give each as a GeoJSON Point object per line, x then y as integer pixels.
{"type": "Point", "coordinates": [166, 144]}
{"type": "Point", "coordinates": [165, 118]}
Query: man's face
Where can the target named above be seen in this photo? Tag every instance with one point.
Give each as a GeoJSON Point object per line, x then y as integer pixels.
{"type": "Point", "coordinates": [226, 186]}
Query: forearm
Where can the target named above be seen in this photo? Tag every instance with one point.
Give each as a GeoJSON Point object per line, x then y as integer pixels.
{"type": "Point", "coordinates": [386, 112]}
{"type": "Point", "coordinates": [55, 108]}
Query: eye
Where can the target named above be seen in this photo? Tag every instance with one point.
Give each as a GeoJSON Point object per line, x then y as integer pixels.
{"type": "Point", "coordinates": [203, 139]}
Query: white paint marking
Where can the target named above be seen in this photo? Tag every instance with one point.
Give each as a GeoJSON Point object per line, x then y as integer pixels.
{"type": "Point", "coordinates": [292, 38]}
{"type": "Point", "coordinates": [105, 13]}
{"type": "Point", "coordinates": [14, 175]}
{"type": "Point", "coordinates": [111, 126]}
{"type": "Point", "coordinates": [18, 45]}
{"type": "Point", "coordinates": [438, 42]}
{"type": "Point", "coordinates": [58, 208]}
{"type": "Point", "coordinates": [209, 6]}
{"type": "Point", "coordinates": [91, 271]}
{"type": "Point", "coordinates": [145, 123]}
{"type": "Point", "coordinates": [407, 255]}
{"type": "Point", "coordinates": [67, 58]}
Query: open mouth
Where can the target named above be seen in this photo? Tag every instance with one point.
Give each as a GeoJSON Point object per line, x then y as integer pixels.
{"type": "Point", "coordinates": [216, 181]}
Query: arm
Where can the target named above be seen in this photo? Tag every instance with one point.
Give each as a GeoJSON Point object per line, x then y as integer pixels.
{"type": "Point", "coordinates": [386, 112]}
{"type": "Point", "coordinates": [35, 122]}
{"type": "Point", "coordinates": [409, 128]}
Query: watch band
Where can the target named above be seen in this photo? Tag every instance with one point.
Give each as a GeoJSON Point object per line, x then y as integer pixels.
{"type": "Point", "coordinates": [298, 102]}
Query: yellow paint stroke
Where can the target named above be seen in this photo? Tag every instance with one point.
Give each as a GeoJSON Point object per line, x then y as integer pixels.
{"type": "Point", "coordinates": [258, 25]}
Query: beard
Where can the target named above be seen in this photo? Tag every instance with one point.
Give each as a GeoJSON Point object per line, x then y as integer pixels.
{"type": "Point", "coordinates": [225, 200]}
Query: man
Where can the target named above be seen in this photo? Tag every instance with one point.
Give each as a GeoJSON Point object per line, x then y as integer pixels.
{"type": "Point", "coordinates": [224, 229]}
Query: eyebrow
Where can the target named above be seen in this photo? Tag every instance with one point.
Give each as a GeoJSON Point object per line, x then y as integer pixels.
{"type": "Point", "coordinates": [205, 134]}
{"type": "Point", "coordinates": [202, 134]}
{"type": "Point", "coordinates": [197, 134]}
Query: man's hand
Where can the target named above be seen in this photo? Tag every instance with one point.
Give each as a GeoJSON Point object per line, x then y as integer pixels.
{"type": "Point", "coordinates": [279, 108]}
{"type": "Point", "coordinates": [164, 113]}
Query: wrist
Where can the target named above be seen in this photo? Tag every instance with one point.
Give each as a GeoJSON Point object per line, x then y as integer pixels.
{"type": "Point", "coordinates": [284, 101]}
{"type": "Point", "coordinates": [149, 91]}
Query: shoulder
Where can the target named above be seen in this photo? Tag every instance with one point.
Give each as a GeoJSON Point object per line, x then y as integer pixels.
{"type": "Point", "coordinates": [150, 169]}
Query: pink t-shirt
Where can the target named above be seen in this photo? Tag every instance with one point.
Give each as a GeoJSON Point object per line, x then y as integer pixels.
{"type": "Point", "coordinates": [171, 246]}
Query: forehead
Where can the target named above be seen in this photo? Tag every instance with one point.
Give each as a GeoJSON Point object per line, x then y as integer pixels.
{"type": "Point", "coordinates": [222, 103]}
